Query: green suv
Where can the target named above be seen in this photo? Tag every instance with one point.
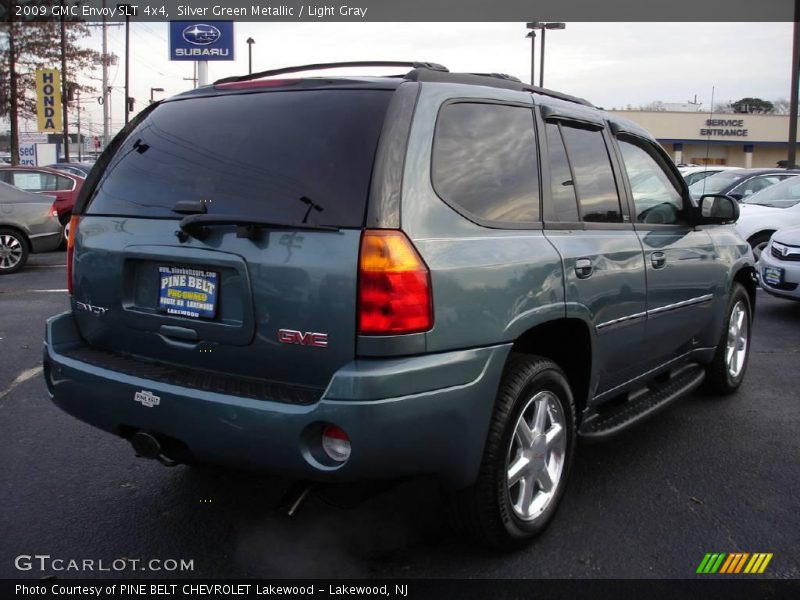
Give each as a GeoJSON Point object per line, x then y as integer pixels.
{"type": "Point", "coordinates": [348, 278]}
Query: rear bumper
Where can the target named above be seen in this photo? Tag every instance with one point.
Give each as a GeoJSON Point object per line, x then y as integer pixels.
{"type": "Point", "coordinates": [46, 242]}
{"type": "Point", "coordinates": [405, 416]}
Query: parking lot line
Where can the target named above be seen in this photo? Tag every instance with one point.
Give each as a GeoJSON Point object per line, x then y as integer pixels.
{"type": "Point", "coordinates": [21, 378]}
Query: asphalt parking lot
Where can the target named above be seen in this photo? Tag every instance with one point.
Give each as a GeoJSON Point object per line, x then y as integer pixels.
{"type": "Point", "coordinates": [706, 475]}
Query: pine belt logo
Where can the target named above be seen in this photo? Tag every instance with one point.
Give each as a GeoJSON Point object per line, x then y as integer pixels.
{"type": "Point", "coordinates": [721, 563]}
{"type": "Point", "coordinates": [147, 399]}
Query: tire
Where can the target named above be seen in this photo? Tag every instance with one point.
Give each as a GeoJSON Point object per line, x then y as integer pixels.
{"type": "Point", "coordinates": [758, 242]}
{"type": "Point", "coordinates": [723, 377]}
{"type": "Point", "coordinates": [490, 510]}
{"type": "Point", "coordinates": [13, 251]}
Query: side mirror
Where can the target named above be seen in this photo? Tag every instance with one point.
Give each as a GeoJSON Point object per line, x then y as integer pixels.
{"type": "Point", "coordinates": [717, 209]}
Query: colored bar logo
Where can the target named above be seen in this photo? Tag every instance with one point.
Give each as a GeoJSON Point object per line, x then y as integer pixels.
{"type": "Point", "coordinates": [734, 563]}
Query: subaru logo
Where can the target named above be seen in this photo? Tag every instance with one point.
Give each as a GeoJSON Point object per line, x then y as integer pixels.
{"type": "Point", "coordinates": [201, 35]}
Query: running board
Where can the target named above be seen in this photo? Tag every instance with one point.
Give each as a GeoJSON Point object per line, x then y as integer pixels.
{"type": "Point", "coordinates": [607, 424]}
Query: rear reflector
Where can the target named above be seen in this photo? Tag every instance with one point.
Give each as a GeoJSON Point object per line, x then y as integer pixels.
{"type": "Point", "coordinates": [54, 211]}
{"type": "Point", "coordinates": [336, 443]}
{"type": "Point", "coordinates": [394, 291]}
{"type": "Point", "coordinates": [73, 231]}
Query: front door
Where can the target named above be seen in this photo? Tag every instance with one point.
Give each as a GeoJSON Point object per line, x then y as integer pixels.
{"type": "Point", "coordinates": [684, 273]}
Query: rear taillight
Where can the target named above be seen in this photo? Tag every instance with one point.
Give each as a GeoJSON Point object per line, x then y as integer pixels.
{"type": "Point", "coordinates": [73, 231]}
{"type": "Point", "coordinates": [54, 211]}
{"type": "Point", "coordinates": [394, 288]}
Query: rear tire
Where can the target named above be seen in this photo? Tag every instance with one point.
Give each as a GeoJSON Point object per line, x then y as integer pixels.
{"type": "Point", "coordinates": [726, 372]}
{"type": "Point", "coordinates": [13, 251]}
{"type": "Point", "coordinates": [524, 468]}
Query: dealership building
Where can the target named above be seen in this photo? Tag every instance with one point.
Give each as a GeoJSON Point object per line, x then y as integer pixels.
{"type": "Point", "coordinates": [734, 139]}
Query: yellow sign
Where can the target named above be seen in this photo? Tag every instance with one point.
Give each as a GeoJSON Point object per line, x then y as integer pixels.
{"type": "Point", "coordinates": [48, 100]}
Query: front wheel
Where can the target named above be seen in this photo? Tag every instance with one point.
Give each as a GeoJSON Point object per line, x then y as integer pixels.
{"type": "Point", "coordinates": [526, 459]}
{"type": "Point", "coordinates": [725, 373]}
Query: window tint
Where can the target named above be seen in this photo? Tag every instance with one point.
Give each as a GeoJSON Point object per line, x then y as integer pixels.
{"type": "Point", "coordinates": [655, 197]}
{"type": "Point", "coordinates": [562, 189]}
{"type": "Point", "coordinates": [594, 177]}
{"type": "Point", "coordinates": [484, 160]}
{"type": "Point", "coordinates": [62, 183]}
{"type": "Point", "coordinates": [282, 156]}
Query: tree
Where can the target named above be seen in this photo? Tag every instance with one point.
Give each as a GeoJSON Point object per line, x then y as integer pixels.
{"type": "Point", "coordinates": [781, 106]}
{"type": "Point", "coordinates": [752, 105]}
{"type": "Point", "coordinates": [657, 106]}
{"type": "Point", "coordinates": [35, 44]}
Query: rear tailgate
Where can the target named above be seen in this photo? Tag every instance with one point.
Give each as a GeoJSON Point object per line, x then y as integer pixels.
{"type": "Point", "coordinates": [278, 306]}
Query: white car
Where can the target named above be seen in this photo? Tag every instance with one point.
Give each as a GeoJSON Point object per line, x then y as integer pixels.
{"type": "Point", "coordinates": [767, 211]}
{"type": "Point", "coordinates": [692, 174]}
{"type": "Point", "coordinates": [779, 264]}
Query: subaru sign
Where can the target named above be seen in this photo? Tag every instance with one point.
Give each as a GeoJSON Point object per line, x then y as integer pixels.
{"type": "Point", "coordinates": [193, 40]}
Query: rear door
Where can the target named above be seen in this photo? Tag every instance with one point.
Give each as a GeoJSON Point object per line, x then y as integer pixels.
{"type": "Point", "coordinates": [603, 260]}
{"type": "Point", "coordinates": [273, 303]}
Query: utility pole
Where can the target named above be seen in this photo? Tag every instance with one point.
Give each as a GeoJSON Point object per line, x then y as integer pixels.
{"type": "Point", "coordinates": [78, 106]}
{"type": "Point", "coordinates": [127, 65]}
{"type": "Point", "coordinates": [202, 73]}
{"type": "Point", "coordinates": [64, 99]}
{"type": "Point", "coordinates": [105, 77]}
{"type": "Point", "coordinates": [12, 91]}
{"type": "Point", "coordinates": [792, 157]}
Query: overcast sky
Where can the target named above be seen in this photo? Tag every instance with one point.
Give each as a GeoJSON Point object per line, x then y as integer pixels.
{"type": "Point", "coordinates": [610, 64]}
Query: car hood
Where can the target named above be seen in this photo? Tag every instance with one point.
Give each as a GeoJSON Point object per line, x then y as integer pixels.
{"type": "Point", "coordinates": [757, 209]}
{"type": "Point", "coordinates": [789, 236]}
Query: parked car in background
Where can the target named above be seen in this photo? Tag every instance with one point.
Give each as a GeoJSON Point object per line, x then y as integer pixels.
{"type": "Point", "coordinates": [779, 264]}
{"type": "Point", "coordinates": [694, 174]}
{"type": "Point", "coordinates": [766, 212]}
{"type": "Point", "coordinates": [5, 159]}
{"type": "Point", "coordinates": [43, 180]}
{"type": "Point", "coordinates": [81, 169]}
{"type": "Point", "coordinates": [28, 223]}
{"type": "Point", "coordinates": [739, 183]}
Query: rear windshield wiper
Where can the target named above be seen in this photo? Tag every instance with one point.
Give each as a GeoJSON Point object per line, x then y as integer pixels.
{"type": "Point", "coordinates": [246, 227]}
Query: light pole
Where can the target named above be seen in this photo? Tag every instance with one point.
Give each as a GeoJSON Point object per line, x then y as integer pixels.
{"type": "Point", "coordinates": [154, 90]}
{"type": "Point", "coordinates": [543, 27]}
{"type": "Point", "coordinates": [532, 35]}
{"type": "Point", "coordinates": [250, 42]}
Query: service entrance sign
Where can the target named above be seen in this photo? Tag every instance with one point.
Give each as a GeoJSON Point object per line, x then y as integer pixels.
{"type": "Point", "coordinates": [193, 40]}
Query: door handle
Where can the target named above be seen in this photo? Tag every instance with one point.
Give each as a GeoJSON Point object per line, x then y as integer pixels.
{"type": "Point", "coordinates": [583, 268]}
{"type": "Point", "coordinates": [659, 260]}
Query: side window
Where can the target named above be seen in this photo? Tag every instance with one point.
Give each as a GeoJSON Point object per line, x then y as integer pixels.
{"type": "Point", "coordinates": [28, 181]}
{"type": "Point", "coordinates": [755, 184]}
{"type": "Point", "coordinates": [62, 183]}
{"type": "Point", "coordinates": [594, 177]}
{"type": "Point", "coordinates": [655, 197]}
{"type": "Point", "coordinates": [484, 161]}
{"type": "Point", "coordinates": [562, 188]}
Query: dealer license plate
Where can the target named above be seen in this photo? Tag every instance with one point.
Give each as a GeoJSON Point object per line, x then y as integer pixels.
{"type": "Point", "coordinates": [773, 275]}
{"type": "Point", "coordinates": [188, 292]}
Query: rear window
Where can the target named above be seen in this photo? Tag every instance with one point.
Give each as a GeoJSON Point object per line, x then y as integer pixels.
{"type": "Point", "coordinates": [281, 156]}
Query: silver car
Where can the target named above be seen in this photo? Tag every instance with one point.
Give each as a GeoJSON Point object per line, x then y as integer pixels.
{"type": "Point", "coordinates": [779, 264]}
{"type": "Point", "coordinates": [28, 223]}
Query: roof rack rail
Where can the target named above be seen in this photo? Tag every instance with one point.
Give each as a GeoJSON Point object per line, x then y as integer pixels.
{"type": "Point", "coordinates": [431, 66]}
{"type": "Point", "coordinates": [497, 80]}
